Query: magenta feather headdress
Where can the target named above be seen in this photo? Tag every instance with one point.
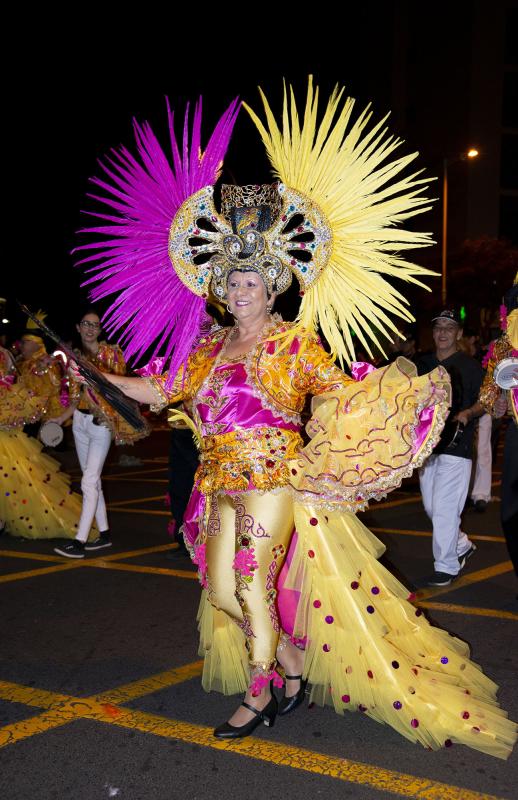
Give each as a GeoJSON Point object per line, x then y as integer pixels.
{"type": "Point", "coordinates": [153, 308]}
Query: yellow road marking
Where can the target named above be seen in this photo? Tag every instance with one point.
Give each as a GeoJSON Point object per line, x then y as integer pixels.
{"type": "Point", "coordinates": [153, 683]}
{"type": "Point", "coordinates": [18, 576]}
{"type": "Point", "coordinates": [298, 758]}
{"type": "Point", "coordinates": [29, 696]}
{"type": "Point", "coordinates": [30, 556]}
{"type": "Point", "coordinates": [17, 731]}
{"type": "Point", "coordinates": [466, 580]}
{"type": "Point", "coordinates": [416, 498]}
{"type": "Point", "coordinates": [66, 564]}
{"type": "Point", "coordinates": [64, 709]}
{"type": "Point", "coordinates": [406, 532]}
{"type": "Point", "coordinates": [477, 612]}
{"type": "Point", "coordinates": [177, 573]}
{"type": "Point", "coordinates": [410, 498]}
{"type": "Point", "coordinates": [159, 548]}
{"type": "Point", "coordinates": [119, 503]}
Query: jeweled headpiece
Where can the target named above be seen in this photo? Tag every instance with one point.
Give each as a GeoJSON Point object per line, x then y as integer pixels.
{"type": "Point", "coordinates": [296, 241]}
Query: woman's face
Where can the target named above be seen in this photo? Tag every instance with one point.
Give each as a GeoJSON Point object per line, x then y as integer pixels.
{"type": "Point", "coordinates": [246, 296]}
{"type": "Point", "coordinates": [89, 329]}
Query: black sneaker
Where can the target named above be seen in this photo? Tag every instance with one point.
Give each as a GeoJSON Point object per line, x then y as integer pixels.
{"type": "Point", "coordinates": [73, 549]}
{"type": "Point", "coordinates": [98, 544]}
{"type": "Point", "coordinates": [441, 579]}
{"type": "Point", "coordinates": [464, 557]}
{"type": "Point", "coordinates": [480, 506]}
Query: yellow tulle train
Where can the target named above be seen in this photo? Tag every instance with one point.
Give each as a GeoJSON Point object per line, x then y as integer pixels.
{"type": "Point", "coordinates": [368, 648]}
{"type": "Point", "coordinates": [36, 501]}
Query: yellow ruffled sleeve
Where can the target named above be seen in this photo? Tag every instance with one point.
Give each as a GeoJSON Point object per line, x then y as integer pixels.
{"type": "Point", "coordinates": [366, 436]}
{"type": "Point", "coordinates": [318, 371]}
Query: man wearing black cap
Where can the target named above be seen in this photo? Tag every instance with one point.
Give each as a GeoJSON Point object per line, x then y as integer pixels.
{"type": "Point", "coordinates": [445, 477]}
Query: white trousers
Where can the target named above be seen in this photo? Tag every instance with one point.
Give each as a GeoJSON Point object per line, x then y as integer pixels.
{"type": "Point", "coordinates": [92, 445]}
{"type": "Point", "coordinates": [482, 486]}
{"type": "Point", "coordinates": [444, 486]}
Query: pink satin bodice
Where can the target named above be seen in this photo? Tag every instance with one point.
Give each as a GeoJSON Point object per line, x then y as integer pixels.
{"type": "Point", "coordinates": [228, 403]}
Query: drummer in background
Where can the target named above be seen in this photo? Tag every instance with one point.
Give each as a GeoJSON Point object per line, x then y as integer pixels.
{"type": "Point", "coordinates": [42, 374]}
{"type": "Point", "coordinates": [95, 424]}
{"type": "Point", "coordinates": [499, 402]}
{"type": "Point", "coordinates": [445, 476]}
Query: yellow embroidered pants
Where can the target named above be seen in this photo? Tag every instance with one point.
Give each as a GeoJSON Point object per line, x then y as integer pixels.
{"type": "Point", "coordinates": [247, 539]}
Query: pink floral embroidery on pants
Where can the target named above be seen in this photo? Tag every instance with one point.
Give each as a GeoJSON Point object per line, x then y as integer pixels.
{"type": "Point", "coordinates": [244, 562]}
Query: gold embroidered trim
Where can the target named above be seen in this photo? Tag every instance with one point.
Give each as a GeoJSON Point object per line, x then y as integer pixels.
{"type": "Point", "coordinates": [258, 457]}
{"type": "Point", "coordinates": [162, 399]}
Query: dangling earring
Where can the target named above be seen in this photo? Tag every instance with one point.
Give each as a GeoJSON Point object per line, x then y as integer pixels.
{"type": "Point", "coordinates": [228, 309]}
{"type": "Point", "coordinates": [268, 309]}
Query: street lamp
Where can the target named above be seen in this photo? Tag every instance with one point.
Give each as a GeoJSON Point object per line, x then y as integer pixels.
{"type": "Point", "coordinates": [471, 153]}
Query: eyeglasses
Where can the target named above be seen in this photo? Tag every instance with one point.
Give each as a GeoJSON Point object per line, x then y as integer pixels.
{"type": "Point", "coordinates": [93, 325]}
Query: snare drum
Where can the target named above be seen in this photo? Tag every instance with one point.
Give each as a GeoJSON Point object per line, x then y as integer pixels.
{"type": "Point", "coordinates": [50, 434]}
{"type": "Point", "coordinates": [454, 435]}
{"type": "Point", "coordinates": [506, 373]}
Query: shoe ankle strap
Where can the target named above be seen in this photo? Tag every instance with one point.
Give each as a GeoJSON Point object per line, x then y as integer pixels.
{"type": "Point", "coordinates": [251, 708]}
{"type": "Point", "coordinates": [293, 677]}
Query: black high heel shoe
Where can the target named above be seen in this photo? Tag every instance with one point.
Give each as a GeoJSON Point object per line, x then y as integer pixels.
{"type": "Point", "coordinates": [288, 704]}
{"type": "Point", "coordinates": [266, 715]}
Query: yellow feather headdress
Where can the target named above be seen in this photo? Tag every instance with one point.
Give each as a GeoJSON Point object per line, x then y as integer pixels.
{"type": "Point", "coordinates": [336, 223]}
{"type": "Point", "coordinates": [347, 173]}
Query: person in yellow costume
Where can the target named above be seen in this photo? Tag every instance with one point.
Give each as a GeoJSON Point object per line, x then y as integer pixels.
{"type": "Point", "coordinates": [36, 501]}
{"type": "Point", "coordinates": [41, 373]}
{"type": "Point", "coordinates": [499, 402]}
{"type": "Point", "coordinates": [290, 576]}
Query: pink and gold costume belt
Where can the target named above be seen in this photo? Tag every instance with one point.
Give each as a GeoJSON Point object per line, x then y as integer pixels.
{"type": "Point", "coordinates": [247, 459]}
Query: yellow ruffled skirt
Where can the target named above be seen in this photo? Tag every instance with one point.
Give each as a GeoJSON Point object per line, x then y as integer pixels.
{"type": "Point", "coordinates": [36, 501]}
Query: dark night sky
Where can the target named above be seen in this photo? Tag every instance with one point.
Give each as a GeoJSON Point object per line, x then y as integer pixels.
{"type": "Point", "coordinates": [81, 87]}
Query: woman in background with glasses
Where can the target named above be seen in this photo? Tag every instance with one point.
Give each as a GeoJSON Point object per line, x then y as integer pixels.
{"type": "Point", "coordinates": [95, 424]}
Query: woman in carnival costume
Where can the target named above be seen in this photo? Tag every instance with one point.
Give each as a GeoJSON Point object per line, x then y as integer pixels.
{"type": "Point", "coordinates": [95, 424]}
{"type": "Point", "coordinates": [42, 374]}
{"type": "Point", "coordinates": [36, 501]}
{"type": "Point", "coordinates": [289, 574]}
